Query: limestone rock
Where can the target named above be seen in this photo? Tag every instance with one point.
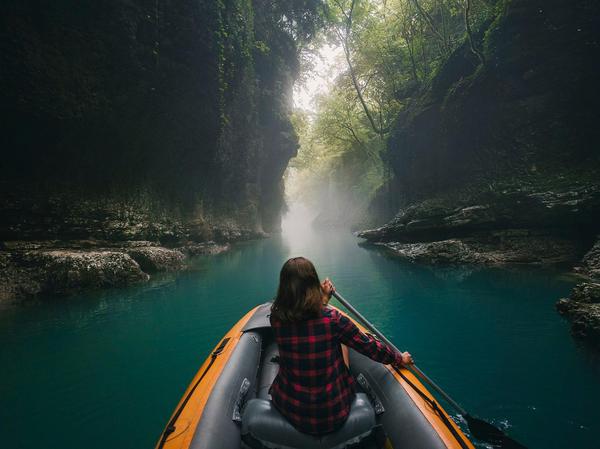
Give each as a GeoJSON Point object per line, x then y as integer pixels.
{"type": "Point", "coordinates": [152, 259]}
{"type": "Point", "coordinates": [467, 211]}
{"type": "Point", "coordinates": [511, 225]}
{"type": "Point", "coordinates": [227, 233]}
{"type": "Point", "coordinates": [446, 252]}
{"type": "Point", "coordinates": [583, 309]}
{"type": "Point", "coordinates": [207, 248]}
{"type": "Point", "coordinates": [591, 261]}
{"type": "Point", "coordinates": [15, 280]}
{"type": "Point", "coordinates": [64, 271]}
{"type": "Point", "coordinates": [507, 247]}
{"type": "Point", "coordinates": [29, 268]}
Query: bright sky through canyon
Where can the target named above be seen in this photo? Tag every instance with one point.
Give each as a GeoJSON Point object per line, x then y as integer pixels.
{"type": "Point", "coordinates": [327, 64]}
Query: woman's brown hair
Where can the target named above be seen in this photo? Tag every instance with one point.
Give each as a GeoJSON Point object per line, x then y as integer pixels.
{"type": "Point", "coordinates": [299, 295]}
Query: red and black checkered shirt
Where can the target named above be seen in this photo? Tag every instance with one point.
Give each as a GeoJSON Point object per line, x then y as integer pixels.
{"type": "Point", "coordinates": [314, 388]}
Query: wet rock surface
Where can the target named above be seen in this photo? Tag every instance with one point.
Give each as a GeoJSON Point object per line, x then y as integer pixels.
{"type": "Point", "coordinates": [445, 252]}
{"type": "Point", "coordinates": [204, 249]}
{"type": "Point", "coordinates": [591, 262]}
{"type": "Point", "coordinates": [467, 211]}
{"type": "Point", "coordinates": [30, 268]}
{"type": "Point", "coordinates": [503, 226]}
{"type": "Point", "coordinates": [153, 259]}
{"type": "Point", "coordinates": [582, 308]}
{"type": "Point", "coordinates": [508, 247]}
{"type": "Point", "coordinates": [33, 272]}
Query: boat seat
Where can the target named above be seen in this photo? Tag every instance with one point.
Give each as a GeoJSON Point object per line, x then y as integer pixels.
{"type": "Point", "coordinates": [268, 371]}
{"type": "Point", "coordinates": [263, 427]}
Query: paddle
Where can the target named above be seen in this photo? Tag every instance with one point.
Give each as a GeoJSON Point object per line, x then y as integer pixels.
{"type": "Point", "coordinates": [480, 429]}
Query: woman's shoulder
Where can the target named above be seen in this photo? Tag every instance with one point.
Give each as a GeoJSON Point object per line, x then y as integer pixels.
{"type": "Point", "coordinates": [330, 313]}
{"type": "Point", "coordinates": [326, 314]}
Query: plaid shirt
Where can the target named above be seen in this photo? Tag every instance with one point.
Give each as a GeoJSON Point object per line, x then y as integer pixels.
{"type": "Point", "coordinates": [314, 388]}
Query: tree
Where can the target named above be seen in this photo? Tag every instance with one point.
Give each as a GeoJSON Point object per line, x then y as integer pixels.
{"type": "Point", "coordinates": [392, 49]}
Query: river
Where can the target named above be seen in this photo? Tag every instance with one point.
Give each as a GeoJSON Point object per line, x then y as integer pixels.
{"type": "Point", "coordinates": [106, 369]}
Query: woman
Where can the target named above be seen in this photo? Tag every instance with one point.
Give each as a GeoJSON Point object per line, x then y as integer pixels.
{"type": "Point", "coordinates": [314, 388]}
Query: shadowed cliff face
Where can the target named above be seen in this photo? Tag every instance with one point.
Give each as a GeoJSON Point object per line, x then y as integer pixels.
{"type": "Point", "coordinates": [498, 163]}
{"type": "Point", "coordinates": [531, 107]}
{"type": "Point", "coordinates": [176, 112]}
{"type": "Point", "coordinates": [512, 142]}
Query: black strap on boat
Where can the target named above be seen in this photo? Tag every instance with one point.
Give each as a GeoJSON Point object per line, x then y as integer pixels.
{"type": "Point", "coordinates": [437, 409]}
{"type": "Point", "coordinates": [373, 398]}
{"type": "Point", "coordinates": [171, 426]}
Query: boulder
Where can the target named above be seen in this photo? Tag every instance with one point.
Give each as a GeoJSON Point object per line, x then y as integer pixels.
{"type": "Point", "coordinates": [591, 261]}
{"type": "Point", "coordinates": [446, 252]}
{"type": "Point", "coordinates": [153, 259]}
{"type": "Point", "coordinates": [583, 310]}
{"type": "Point", "coordinates": [465, 211]}
{"type": "Point", "coordinates": [33, 272]}
{"type": "Point", "coordinates": [229, 233]}
{"type": "Point", "coordinates": [15, 280]}
{"type": "Point", "coordinates": [204, 249]}
{"type": "Point", "coordinates": [506, 247]}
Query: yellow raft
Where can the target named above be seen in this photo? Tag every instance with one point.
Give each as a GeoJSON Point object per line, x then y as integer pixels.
{"type": "Point", "coordinates": [227, 403]}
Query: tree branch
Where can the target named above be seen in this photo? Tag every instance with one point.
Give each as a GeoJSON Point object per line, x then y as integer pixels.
{"type": "Point", "coordinates": [431, 24]}
{"type": "Point", "coordinates": [474, 49]}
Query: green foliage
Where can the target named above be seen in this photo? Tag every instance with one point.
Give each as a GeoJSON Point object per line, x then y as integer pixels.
{"type": "Point", "coordinates": [393, 49]}
{"type": "Point", "coordinates": [249, 33]}
{"type": "Point", "coordinates": [340, 156]}
{"type": "Point", "coordinates": [262, 47]}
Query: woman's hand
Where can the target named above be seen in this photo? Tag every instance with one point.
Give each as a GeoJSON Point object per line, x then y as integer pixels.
{"type": "Point", "coordinates": [405, 360]}
{"type": "Point", "coordinates": [328, 288]}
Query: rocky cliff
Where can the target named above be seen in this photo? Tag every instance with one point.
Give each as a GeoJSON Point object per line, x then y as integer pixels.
{"type": "Point", "coordinates": [498, 162]}
{"type": "Point", "coordinates": [145, 120]}
{"type": "Point", "coordinates": [507, 145]}
{"type": "Point", "coordinates": [582, 307]}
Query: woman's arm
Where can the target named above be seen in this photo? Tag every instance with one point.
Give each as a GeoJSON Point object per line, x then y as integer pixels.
{"type": "Point", "coordinates": [350, 335]}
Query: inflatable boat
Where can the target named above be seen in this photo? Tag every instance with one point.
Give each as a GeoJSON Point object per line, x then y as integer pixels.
{"type": "Point", "coordinates": [227, 403]}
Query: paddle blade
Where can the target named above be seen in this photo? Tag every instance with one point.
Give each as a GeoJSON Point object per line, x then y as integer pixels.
{"type": "Point", "coordinates": [491, 434]}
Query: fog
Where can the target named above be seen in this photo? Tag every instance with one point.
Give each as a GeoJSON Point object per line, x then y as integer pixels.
{"type": "Point", "coordinates": [313, 195]}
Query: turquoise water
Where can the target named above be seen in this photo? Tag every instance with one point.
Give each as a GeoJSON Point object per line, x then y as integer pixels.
{"type": "Point", "coordinates": [107, 368]}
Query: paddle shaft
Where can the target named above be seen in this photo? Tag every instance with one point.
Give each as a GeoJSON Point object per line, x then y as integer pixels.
{"type": "Point", "coordinates": [383, 338]}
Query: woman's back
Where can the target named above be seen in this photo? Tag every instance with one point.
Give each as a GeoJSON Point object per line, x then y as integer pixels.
{"type": "Point", "coordinates": [314, 388]}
